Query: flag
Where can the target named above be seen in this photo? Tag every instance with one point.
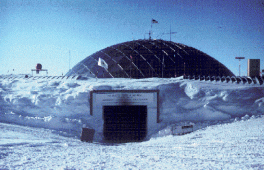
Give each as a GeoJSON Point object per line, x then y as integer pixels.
{"type": "Point", "coordinates": [154, 21]}
{"type": "Point", "coordinates": [102, 63]}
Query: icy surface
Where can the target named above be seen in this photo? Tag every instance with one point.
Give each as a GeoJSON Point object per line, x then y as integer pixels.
{"type": "Point", "coordinates": [41, 122]}
{"type": "Point", "coordinates": [237, 145]}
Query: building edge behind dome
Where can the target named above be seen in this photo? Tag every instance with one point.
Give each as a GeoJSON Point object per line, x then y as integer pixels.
{"type": "Point", "coordinates": [149, 58]}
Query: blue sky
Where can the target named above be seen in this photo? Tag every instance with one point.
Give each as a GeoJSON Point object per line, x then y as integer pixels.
{"type": "Point", "coordinates": [49, 31]}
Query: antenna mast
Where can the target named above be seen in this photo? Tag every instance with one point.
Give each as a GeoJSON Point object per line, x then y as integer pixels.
{"type": "Point", "coordinates": [239, 58]}
{"type": "Point", "coordinates": [171, 32]}
{"type": "Point", "coordinates": [153, 21]}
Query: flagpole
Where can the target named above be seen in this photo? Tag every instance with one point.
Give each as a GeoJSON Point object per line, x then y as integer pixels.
{"type": "Point", "coordinates": [150, 32]}
{"type": "Point", "coordinates": [153, 21]}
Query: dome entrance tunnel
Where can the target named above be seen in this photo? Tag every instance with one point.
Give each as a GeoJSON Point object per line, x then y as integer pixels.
{"type": "Point", "coordinates": [125, 123]}
{"type": "Point", "coordinates": [124, 115]}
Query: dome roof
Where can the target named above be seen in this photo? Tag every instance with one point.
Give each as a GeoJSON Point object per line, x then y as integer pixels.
{"type": "Point", "coordinates": [149, 58]}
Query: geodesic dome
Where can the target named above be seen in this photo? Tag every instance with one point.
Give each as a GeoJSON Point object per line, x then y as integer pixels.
{"type": "Point", "coordinates": [149, 58]}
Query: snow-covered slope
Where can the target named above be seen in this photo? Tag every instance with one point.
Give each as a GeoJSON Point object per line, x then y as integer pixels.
{"type": "Point", "coordinates": [41, 121]}
{"type": "Point", "coordinates": [63, 105]}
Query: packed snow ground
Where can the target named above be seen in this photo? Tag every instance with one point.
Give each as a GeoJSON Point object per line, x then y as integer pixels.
{"type": "Point", "coordinates": [236, 145]}
{"type": "Point", "coordinates": [41, 122]}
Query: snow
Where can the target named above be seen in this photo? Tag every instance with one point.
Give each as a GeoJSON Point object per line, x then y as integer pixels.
{"type": "Point", "coordinates": [41, 122]}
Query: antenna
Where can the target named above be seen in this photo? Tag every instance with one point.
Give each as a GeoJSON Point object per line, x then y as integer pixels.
{"type": "Point", "coordinates": [153, 21]}
{"type": "Point", "coordinates": [171, 32]}
{"type": "Point", "coordinates": [239, 58]}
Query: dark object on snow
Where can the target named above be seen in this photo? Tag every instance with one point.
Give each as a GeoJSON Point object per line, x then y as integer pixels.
{"type": "Point", "coordinates": [181, 130]}
{"type": "Point", "coordinates": [87, 135]}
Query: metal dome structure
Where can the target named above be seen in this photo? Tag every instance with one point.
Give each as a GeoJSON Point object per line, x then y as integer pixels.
{"type": "Point", "coordinates": [149, 58]}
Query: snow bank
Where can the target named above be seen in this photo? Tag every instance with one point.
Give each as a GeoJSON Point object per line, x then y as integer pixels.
{"type": "Point", "coordinates": [63, 105]}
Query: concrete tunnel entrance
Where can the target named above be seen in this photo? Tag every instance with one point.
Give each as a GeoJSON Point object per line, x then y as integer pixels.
{"type": "Point", "coordinates": [123, 123]}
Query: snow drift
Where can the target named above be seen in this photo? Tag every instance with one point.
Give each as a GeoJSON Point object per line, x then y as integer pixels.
{"type": "Point", "coordinates": [63, 105]}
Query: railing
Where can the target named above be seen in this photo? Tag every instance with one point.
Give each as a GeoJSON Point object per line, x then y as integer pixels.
{"type": "Point", "coordinates": [228, 79]}
{"type": "Point", "coordinates": [29, 77]}
{"type": "Point", "coordinates": [223, 79]}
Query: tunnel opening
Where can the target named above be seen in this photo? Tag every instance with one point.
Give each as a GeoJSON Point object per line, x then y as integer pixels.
{"type": "Point", "coordinates": [126, 123]}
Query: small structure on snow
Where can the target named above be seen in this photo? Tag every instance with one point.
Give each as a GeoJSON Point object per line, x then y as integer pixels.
{"type": "Point", "coordinates": [181, 130]}
{"type": "Point", "coordinates": [38, 69]}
